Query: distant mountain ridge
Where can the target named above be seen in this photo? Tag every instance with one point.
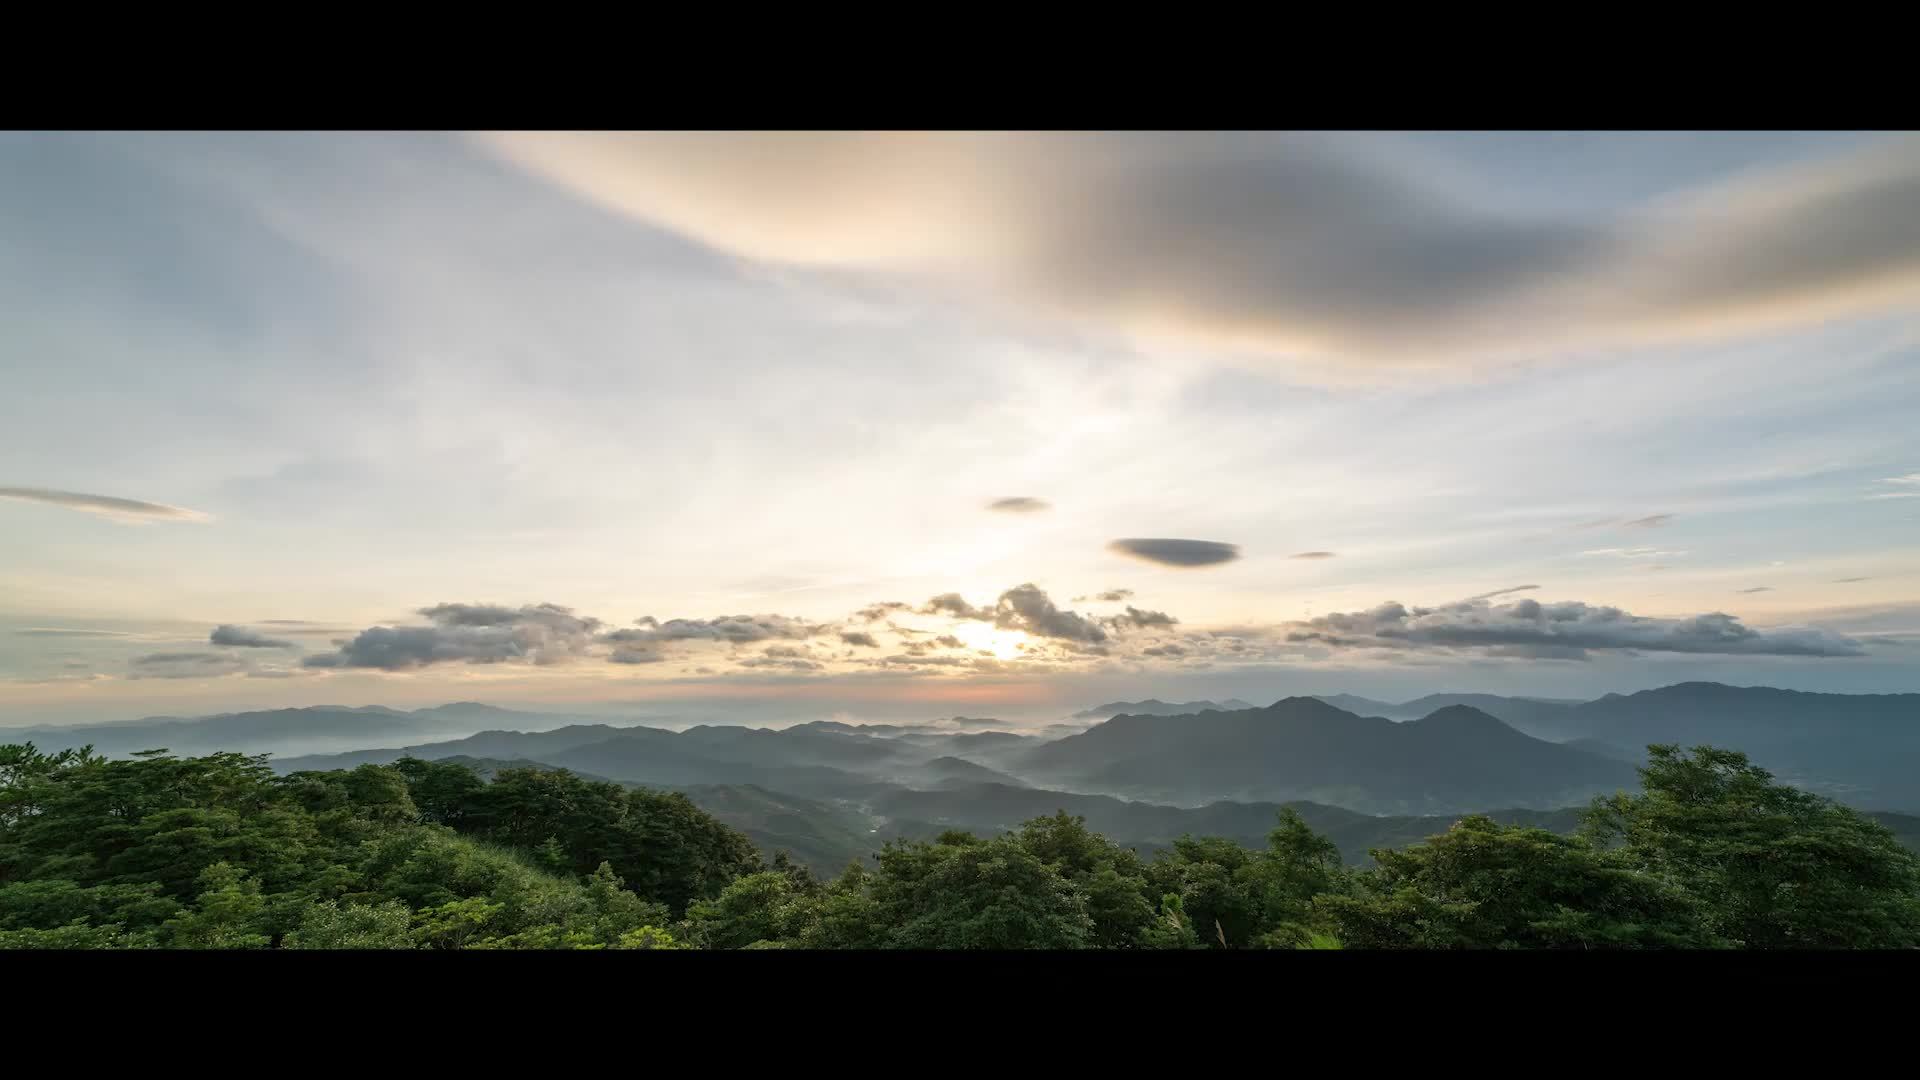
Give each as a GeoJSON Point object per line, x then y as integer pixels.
{"type": "Point", "coordinates": [310, 729]}
{"type": "Point", "coordinates": [821, 759]}
{"type": "Point", "coordinates": [1156, 707]}
{"type": "Point", "coordinates": [1456, 758]}
{"type": "Point", "coordinates": [1860, 748]}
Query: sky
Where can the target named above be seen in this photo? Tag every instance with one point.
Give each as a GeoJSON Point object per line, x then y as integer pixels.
{"type": "Point", "coordinates": [908, 424]}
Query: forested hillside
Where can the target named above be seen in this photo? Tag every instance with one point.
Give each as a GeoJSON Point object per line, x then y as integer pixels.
{"type": "Point", "coordinates": [218, 852]}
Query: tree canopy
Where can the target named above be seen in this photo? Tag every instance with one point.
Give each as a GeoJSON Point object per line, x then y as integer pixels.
{"type": "Point", "coordinates": [215, 852]}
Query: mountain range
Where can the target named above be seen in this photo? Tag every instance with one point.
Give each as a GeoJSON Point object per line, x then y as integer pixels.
{"type": "Point", "coordinates": [1858, 747]}
{"type": "Point", "coordinates": [305, 730]}
{"type": "Point", "coordinates": [1156, 707]}
{"type": "Point", "coordinates": [1364, 772]}
{"type": "Point", "coordinates": [1455, 759]}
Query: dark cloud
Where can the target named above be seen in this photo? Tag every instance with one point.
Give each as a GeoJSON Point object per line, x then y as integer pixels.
{"type": "Point", "coordinates": [860, 637]}
{"type": "Point", "coordinates": [1850, 580]}
{"type": "Point", "coordinates": [243, 638]}
{"type": "Point", "coordinates": [949, 641]}
{"type": "Point", "coordinates": [1566, 625]}
{"type": "Point", "coordinates": [185, 658]}
{"type": "Point", "coordinates": [1111, 596]}
{"type": "Point", "coordinates": [1503, 592]}
{"type": "Point", "coordinates": [1169, 552]}
{"type": "Point", "coordinates": [539, 634]}
{"type": "Point", "coordinates": [627, 654]}
{"type": "Point", "coordinates": [1757, 588]}
{"type": "Point", "coordinates": [917, 660]}
{"type": "Point", "coordinates": [105, 505]}
{"type": "Point", "coordinates": [494, 615]}
{"type": "Point", "coordinates": [1312, 555]}
{"type": "Point", "coordinates": [955, 605]}
{"type": "Point", "coordinates": [876, 612]}
{"type": "Point", "coordinates": [1026, 607]}
{"type": "Point", "coordinates": [1137, 619]}
{"type": "Point", "coordinates": [776, 662]}
{"type": "Point", "coordinates": [1313, 244]}
{"type": "Point", "coordinates": [187, 665]}
{"type": "Point", "coordinates": [1164, 650]}
{"type": "Point", "coordinates": [1029, 609]}
{"type": "Point", "coordinates": [1651, 521]}
{"type": "Point", "coordinates": [1019, 504]}
{"type": "Point", "coordinates": [734, 629]}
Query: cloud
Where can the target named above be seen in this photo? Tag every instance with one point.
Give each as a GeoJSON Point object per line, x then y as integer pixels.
{"type": "Point", "coordinates": [955, 605]}
{"type": "Point", "coordinates": [1503, 592]}
{"type": "Point", "coordinates": [859, 638]}
{"type": "Point", "coordinates": [1111, 596]}
{"type": "Point", "coordinates": [1312, 555]}
{"type": "Point", "coordinates": [540, 634]}
{"type": "Point", "coordinates": [1140, 620]}
{"type": "Point", "coordinates": [1029, 609]}
{"type": "Point", "coordinates": [733, 629]}
{"type": "Point", "coordinates": [63, 631]}
{"type": "Point", "coordinates": [1026, 607]}
{"type": "Point", "coordinates": [1565, 626]}
{"type": "Point", "coordinates": [1756, 588]}
{"type": "Point", "coordinates": [1651, 521]}
{"type": "Point", "coordinates": [949, 641]}
{"type": "Point", "coordinates": [1177, 552]}
{"type": "Point", "coordinates": [1019, 504]}
{"type": "Point", "coordinates": [1343, 247]}
{"type": "Point", "coordinates": [241, 637]}
{"type": "Point", "coordinates": [1909, 480]}
{"type": "Point", "coordinates": [1631, 553]}
{"type": "Point", "coordinates": [187, 665]}
{"type": "Point", "coordinates": [876, 612]}
{"type": "Point", "coordinates": [783, 664]}
{"type": "Point", "coordinates": [628, 654]}
{"type": "Point", "coordinates": [185, 658]}
{"type": "Point", "coordinates": [1850, 580]}
{"type": "Point", "coordinates": [131, 511]}
{"type": "Point", "coordinates": [1164, 650]}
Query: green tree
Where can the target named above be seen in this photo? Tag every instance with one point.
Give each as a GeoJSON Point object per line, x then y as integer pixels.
{"type": "Point", "coordinates": [763, 907]}
{"type": "Point", "coordinates": [227, 913]}
{"type": "Point", "coordinates": [1769, 866]}
{"type": "Point", "coordinates": [965, 893]}
{"type": "Point", "coordinates": [1481, 885]}
{"type": "Point", "coordinates": [329, 925]}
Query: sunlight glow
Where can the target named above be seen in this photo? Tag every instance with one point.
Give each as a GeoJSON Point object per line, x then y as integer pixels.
{"type": "Point", "coordinates": [1004, 644]}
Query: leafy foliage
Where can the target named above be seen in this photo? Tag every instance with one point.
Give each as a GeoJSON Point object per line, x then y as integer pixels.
{"type": "Point", "coordinates": [1767, 865]}
{"type": "Point", "coordinates": [216, 852]}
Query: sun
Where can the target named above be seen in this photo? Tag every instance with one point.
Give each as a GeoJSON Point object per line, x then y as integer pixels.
{"type": "Point", "coordinates": [1003, 644]}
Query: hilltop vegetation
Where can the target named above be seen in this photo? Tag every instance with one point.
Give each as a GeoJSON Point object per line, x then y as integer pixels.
{"type": "Point", "coordinates": [218, 852]}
